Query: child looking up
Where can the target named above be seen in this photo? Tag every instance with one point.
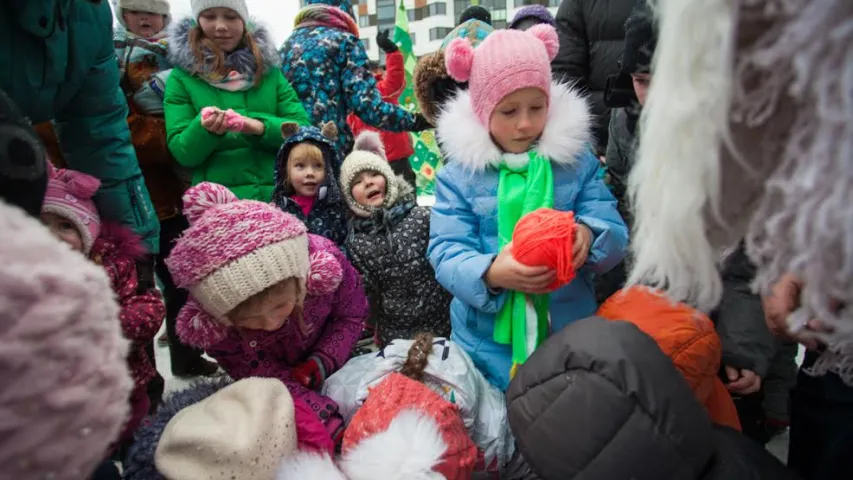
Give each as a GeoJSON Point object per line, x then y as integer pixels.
{"type": "Point", "coordinates": [267, 299]}
{"type": "Point", "coordinates": [226, 99]}
{"type": "Point", "coordinates": [305, 184]}
{"type": "Point", "coordinates": [388, 244]}
{"type": "Point", "coordinates": [69, 212]}
{"type": "Point", "coordinates": [515, 142]}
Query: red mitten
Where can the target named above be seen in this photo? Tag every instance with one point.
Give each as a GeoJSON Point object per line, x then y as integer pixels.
{"type": "Point", "coordinates": [311, 373]}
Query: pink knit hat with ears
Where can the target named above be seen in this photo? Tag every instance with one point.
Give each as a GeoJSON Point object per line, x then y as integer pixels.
{"type": "Point", "coordinates": [506, 61]}
{"type": "Point", "coordinates": [235, 249]}
{"type": "Point", "coordinates": [69, 195]}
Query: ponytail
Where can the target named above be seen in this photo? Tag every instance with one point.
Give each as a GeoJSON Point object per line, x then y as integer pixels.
{"type": "Point", "coordinates": [418, 358]}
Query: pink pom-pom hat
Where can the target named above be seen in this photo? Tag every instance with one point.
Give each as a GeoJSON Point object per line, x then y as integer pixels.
{"type": "Point", "coordinates": [70, 196]}
{"type": "Point", "coordinates": [235, 249]}
{"type": "Point", "coordinates": [506, 61]}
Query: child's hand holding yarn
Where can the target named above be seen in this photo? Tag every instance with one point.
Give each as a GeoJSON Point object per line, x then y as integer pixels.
{"type": "Point", "coordinates": [582, 244]}
{"type": "Point", "coordinates": [213, 120]}
{"type": "Point", "coordinates": [506, 272]}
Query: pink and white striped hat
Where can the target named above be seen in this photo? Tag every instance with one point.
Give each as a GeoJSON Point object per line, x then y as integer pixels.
{"type": "Point", "coordinates": [70, 195]}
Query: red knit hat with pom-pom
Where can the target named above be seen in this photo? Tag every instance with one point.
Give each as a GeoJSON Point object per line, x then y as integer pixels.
{"type": "Point", "coordinates": [69, 195]}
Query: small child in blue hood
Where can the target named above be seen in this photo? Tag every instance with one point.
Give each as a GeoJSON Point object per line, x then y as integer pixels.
{"type": "Point", "coordinates": [305, 184]}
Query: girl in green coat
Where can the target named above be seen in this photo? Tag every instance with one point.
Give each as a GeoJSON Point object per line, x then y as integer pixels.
{"type": "Point", "coordinates": [226, 99]}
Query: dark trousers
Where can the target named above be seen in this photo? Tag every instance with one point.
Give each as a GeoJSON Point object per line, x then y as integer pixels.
{"type": "Point", "coordinates": [182, 356]}
{"type": "Point", "coordinates": [402, 167]}
{"type": "Point", "coordinates": [821, 426]}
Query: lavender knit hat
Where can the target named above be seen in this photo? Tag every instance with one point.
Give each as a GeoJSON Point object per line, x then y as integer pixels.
{"type": "Point", "coordinates": [538, 12]}
{"type": "Point", "coordinates": [235, 249]}
{"type": "Point", "coordinates": [65, 386]}
{"type": "Point", "coordinates": [506, 61]}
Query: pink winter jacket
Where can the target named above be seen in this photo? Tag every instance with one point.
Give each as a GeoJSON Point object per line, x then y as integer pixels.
{"type": "Point", "coordinates": [333, 312]}
{"type": "Point", "coordinates": [117, 249]}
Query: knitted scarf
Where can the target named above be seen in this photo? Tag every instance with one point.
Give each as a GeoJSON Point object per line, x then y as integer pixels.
{"type": "Point", "coordinates": [526, 183]}
{"type": "Point", "coordinates": [325, 16]}
{"type": "Point", "coordinates": [241, 72]}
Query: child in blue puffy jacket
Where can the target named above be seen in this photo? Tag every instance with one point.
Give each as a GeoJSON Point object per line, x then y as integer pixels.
{"type": "Point", "coordinates": [515, 142]}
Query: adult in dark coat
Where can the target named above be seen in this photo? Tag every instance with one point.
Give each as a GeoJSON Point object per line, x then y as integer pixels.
{"type": "Point", "coordinates": [600, 400]}
{"type": "Point", "coordinates": [591, 37]}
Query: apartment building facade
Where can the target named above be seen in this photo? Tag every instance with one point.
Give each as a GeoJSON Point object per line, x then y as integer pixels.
{"type": "Point", "coordinates": [430, 20]}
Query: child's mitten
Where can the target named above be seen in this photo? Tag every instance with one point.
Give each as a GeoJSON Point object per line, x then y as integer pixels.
{"type": "Point", "coordinates": [310, 373]}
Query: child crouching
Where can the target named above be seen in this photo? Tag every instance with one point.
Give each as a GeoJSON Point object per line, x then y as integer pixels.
{"type": "Point", "coordinates": [388, 244]}
{"type": "Point", "coordinates": [266, 298]}
{"type": "Point", "coordinates": [70, 213]}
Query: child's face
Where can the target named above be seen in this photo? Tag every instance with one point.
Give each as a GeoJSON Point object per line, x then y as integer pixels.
{"type": "Point", "coordinates": [519, 119]}
{"type": "Point", "coordinates": [144, 24]}
{"type": "Point", "coordinates": [368, 188]}
{"type": "Point", "coordinates": [305, 173]}
{"type": "Point", "coordinates": [269, 313]}
{"type": "Point", "coordinates": [63, 229]}
{"type": "Point", "coordinates": [222, 25]}
{"type": "Point", "coordinates": [641, 86]}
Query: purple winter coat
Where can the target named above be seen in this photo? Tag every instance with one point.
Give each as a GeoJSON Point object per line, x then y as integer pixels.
{"type": "Point", "coordinates": [334, 312]}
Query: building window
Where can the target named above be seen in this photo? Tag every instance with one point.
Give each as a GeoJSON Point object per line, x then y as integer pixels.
{"type": "Point", "coordinates": [499, 24]}
{"type": "Point", "coordinates": [364, 21]}
{"type": "Point", "coordinates": [366, 42]}
{"type": "Point", "coordinates": [385, 9]}
{"type": "Point", "coordinates": [414, 39]}
{"type": "Point", "coordinates": [544, 3]}
{"type": "Point", "coordinates": [437, 9]}
{"type": "Point", "coordinates": [439, 33]}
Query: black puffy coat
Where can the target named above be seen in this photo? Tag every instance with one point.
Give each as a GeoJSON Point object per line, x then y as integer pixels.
{"type": "Point", "coordinates": [591, 33]}
{"type": "Point", "coordinates": [600, 400]}
{"type": "Point", "coordinates": [389, 249]}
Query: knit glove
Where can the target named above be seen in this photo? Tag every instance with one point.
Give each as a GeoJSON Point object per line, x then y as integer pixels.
{"type": "Point", "coordinates": [311, 373]}
{"type": "Point", "coordinates": [385, 43]}
{"type": "Point", "coordinates": [421, 123]}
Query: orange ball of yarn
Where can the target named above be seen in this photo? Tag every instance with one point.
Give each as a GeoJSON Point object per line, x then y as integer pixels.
{"type": "Point", "coordinates": [545, 237]}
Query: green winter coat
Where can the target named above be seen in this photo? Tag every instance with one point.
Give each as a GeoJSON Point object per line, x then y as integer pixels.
{"type": "Point", "coordinates": [243, 163]}
{"type": "Point", "coordinates": [57, 63]}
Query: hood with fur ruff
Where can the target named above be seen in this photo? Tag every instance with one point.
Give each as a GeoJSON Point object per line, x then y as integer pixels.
{"type": "Point", "coordinates": [465, 140]}
{"type": "Point", "coordinates": [181, 54]}
{"type": "Point", "coordinates": [410, 449]}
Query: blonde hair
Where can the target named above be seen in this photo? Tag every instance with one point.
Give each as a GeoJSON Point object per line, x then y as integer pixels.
{"type": "Point", "coordinates": [292, 289]}
{"type": "Point", "coordinates": [199, 42]}
{"type": "Point", "coordinates": [304, 149]}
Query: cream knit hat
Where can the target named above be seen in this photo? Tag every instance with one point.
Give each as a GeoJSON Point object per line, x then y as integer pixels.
{"type": "Point", "coordinates": [242, 431]}
{"type": "Point", "coordinates": [160, 7]}
{"type": "Point", "coordinates": [368, 155]}
{"type": "Point", "coordinates": [238, 6]}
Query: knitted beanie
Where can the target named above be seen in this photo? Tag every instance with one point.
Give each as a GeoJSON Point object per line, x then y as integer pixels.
{"type": "Point", "coordinates": [65, 387]}
{"type": "Point", "coordinates": [398, 393]}
{"type": "Point", "coordinates": [235, 249]}
{"type": "Point", "coordinates": [241, 431]}
{"type": "Point", "coordinates": [538, 12]}
{"type": "Point", "coordinates": [238, 6]}
{"type": "Point", "coordinates": [160, 7]}
{"type": "Point", "coordinates": [506, 61]}
{"type": "Point", "coordinates": [368, 155]}
{"type": "Point", "coordinates": [640, 40]}
{"type": "Point", "coordinates": [475, 12]}
{"type": "Point", "coordinates": [69, 195]}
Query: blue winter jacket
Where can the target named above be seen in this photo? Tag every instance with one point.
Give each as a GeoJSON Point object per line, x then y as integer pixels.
{"type": "Point", "coordinates": [328, 68]}
{"type": "Point", "coordinates": [464, 222]}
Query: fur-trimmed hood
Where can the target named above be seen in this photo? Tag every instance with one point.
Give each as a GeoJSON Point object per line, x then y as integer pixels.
{"type": "Point", "coordinates": [467, 141]}
{"type": "Point", "coordinates": [117, 241]}
{"type": "Point", "coordinates": [139, 464]}
{"type": "Point", "coordinates": [410, 449]}
{"type": "Point", "coordinates": [329, 191]}
{"type": "Point", "coordinates": [181, 54]}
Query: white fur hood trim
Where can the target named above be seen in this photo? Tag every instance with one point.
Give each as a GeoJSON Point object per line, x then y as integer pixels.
{"type": "Point", "coordinates": [466, 141]}
{"type": "Point", "coordinates": [409, 450]}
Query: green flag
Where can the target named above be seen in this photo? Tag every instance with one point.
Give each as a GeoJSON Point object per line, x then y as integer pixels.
{"type": "Point", "coordinates": [427, 158]}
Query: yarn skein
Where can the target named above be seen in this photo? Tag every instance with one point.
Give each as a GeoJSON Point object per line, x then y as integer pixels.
{"type": "Point", "coordinates": [546, 237]}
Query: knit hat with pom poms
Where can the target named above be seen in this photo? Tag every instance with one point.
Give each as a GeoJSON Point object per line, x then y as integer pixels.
{"type": "Point", "coordinates": [368, 154]}
{"type": "Point", "coordinates": [235, 249]}
{"type": "Point", "coordinates": [506, 61]}
{"type": "Point", "coordinates": [70, 195]}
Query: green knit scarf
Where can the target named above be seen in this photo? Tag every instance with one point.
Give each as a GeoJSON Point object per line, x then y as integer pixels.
{"type": "Point", "coordinates": [522, 190]}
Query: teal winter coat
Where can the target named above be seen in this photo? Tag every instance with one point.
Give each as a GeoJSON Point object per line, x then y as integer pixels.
{"type": "Point", "coordinates": [57, 63]}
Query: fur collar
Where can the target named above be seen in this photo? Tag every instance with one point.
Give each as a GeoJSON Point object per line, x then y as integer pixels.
{"type": "Point", "coordinates": [181, 55]}
{"type": "Point", "coordinates": [465, 140]}
{"type": "Point", "coordinates": [117, 241]}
